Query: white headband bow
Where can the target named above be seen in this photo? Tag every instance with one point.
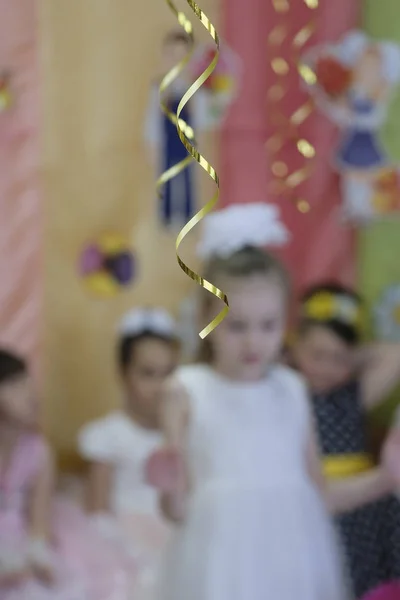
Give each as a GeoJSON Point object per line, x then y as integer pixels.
{"type": "Point", "coordinates": [354, 43]}
{"type": "Point", "coordinates": [240, 225]}
{"type": "Point", "coordinates": [154, 320]}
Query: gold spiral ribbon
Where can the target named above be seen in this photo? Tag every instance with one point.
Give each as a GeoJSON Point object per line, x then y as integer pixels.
{"type": "Point", "coordinates": [288, 127]}
{"type": "Point", "coordinates": [186, 134]}
{"type": "Point", "coordinates": [164, 85]}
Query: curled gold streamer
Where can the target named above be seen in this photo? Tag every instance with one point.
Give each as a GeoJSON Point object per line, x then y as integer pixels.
{"type": "Point", "coordinates": [304, 146]}
{"type": "Point", "coordinates": [289, 126]}
{"type": "Point", "coordinates": [276, 94]}
{"type": "Point", "coordinates": [186, 135]}
{"type": "Point", "coordinates": [165, 83]}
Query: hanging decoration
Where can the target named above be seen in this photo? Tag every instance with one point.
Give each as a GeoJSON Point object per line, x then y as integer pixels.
{"type": "Point", "coordinates": [177, 190]}
{"type": "Point", "coordinates": [387, 315]}
{"type": "Point", "coordinates": [107, 265]}
{"type": "Point", "coordinates": [287, 129]}
{"type": "Point", "coordinates": [353, 84]}
{"type": "Point", "coordinates": [186, 136]}
{"type": "Point", "coordinates": [275, 97]}
{"type": "Point", "coordinates": [6, 98]}
{"type": "Point", "coordinates": [205, 111]}
{"type": "Point", "coordinates": [222, 86]}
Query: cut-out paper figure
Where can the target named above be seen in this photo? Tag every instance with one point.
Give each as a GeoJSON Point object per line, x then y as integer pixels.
{"type": "Point", "coordinates": [5, 91]}
{"type": "Point", "coordinates": [178, 200]}
{"type": "Point", "coordinates": [203, 112]}
{"type": "Point", "coordinates": [107, 265]}
{"type": "Point", "coordinates": [354, 80]}
{"type": "Point", "coordinates": [222, 85]}
{"type": "Point", "coordinates": [387, 315]}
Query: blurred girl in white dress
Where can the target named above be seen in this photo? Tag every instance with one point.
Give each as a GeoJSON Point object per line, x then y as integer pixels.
{"type": "Point", "coordinates": [240, 470]}
{"type": "Point", "coordinates": [123, 506]}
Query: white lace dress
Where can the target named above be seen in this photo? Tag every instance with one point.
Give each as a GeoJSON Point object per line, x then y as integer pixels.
{"type": "Point", "coordinates": [256, 527]}
{"type": "Point", "coordinates": [134, 522]}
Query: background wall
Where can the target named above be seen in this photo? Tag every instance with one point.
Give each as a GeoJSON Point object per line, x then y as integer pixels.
{"type": "Point", "coordinates": [98, 59]}
{"type": "Point", "coordinates": [379, 245]}
{"type": "Point", "coordinates": [246, 171]}
{"type": "Point", "coordinates": [20, 208]}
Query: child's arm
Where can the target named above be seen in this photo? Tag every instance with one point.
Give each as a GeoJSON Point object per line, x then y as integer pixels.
{"type": "Point", "coordinates": [40, 509]}
{"type": "Point", "coordinates": [98, 444]}
{"type": "Point", "coordinates": [36, 557]}
{"type": "Point", "coordinates": [174, 422]}
{"type": "Point", "coordinates": [380, 372]}
{"type": "Point", "coordinates": [98, 487]}
{"type": "Point", "coordinates": [98, 493]}
{"type": "Point", "coordinates": [41, 497]}
{"type": "Point", "coordinates": [174, 414]}
{"type": "Point", "coordinates": [350, 493]}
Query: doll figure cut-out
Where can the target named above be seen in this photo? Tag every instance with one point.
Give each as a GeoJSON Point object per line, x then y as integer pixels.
{"type": "Point", "coordinates": [353, 84]}
{"type": "Point", "coordinates": [107, 265]}
{"type": "Point", "coordinates": [222, 85]}
{"type": "Point", "coordinates": [179, 195]}
{"type": "Point", "coordinates": [5, 91]}
{"type": "Point", "coordinates": [387, 315]}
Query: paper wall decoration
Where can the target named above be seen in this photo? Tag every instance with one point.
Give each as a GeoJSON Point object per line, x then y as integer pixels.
{"type": "Point", "coordinates": [6, 98]}
{"type": "Point", "coordinates": [205, 111]}
{"type": "Point", "coordinates": [387, 314]}
{"type": "Point", "coordinates": [107, 265]}
{"type": "Point", "coordinates": [222, 86]}
{"type": "Point", "coordinates": [353, 86]}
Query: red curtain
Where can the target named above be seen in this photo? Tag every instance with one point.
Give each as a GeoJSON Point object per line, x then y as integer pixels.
{"type": "Point", "coordinates": [321, 246]}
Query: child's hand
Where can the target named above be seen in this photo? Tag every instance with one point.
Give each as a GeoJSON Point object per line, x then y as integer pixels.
{"type": "Point", "coordinates": [40, 558]}
{"type": "Point", "coordinates": [164, 470]}
{"type": "Point", "coordinates": [173, 507]}
{"type": "Point", "coordinates": [44, 573]}
{"type": "Point", "coordinates": [15, 578]}
{"type": "Point", "coordinates": [391, 455]}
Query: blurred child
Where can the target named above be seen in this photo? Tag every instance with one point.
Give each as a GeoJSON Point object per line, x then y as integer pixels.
{"type": "Point", "coordinates": [34, 564]}
{"type": "Point", "coordinates": [124, 507]}
{"type": "Point", "coordinates": [346, 381]}
{"type": "Point", "coordinates": [245, 484]}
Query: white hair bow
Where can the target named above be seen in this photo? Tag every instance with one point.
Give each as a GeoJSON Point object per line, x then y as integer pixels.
{"type": "Point", "coordinates": [153, 320]}
{"type": "Point", "coordinates": [354, 43]}
{"type": "Point", "coordinates": [240, 225]}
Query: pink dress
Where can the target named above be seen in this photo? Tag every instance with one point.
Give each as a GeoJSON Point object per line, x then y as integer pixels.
{"type": "Point", "coordinates": [134, 522]}
{"type": "Point", "coordinates": [84, 566]}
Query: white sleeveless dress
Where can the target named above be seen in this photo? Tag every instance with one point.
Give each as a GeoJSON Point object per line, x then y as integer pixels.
{"type": "Point", "coordinates": [256, 527]}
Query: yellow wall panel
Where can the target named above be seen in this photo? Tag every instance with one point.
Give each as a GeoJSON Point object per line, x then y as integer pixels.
{"type": "Point", "coordinates": [98, 58]}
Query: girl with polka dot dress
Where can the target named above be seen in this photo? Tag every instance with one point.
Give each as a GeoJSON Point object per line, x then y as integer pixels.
{"type": "Point", "coordinates": [345, 382]}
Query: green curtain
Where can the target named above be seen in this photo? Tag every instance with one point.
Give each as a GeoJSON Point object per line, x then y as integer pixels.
{"type": "Point", "coordinates": [379, 245]}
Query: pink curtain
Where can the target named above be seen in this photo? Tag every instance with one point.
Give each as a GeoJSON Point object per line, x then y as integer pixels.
{"type": "Point", "coordinates": [20, 223]}
{"type": "Point", "coordinates": [321, 247]}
